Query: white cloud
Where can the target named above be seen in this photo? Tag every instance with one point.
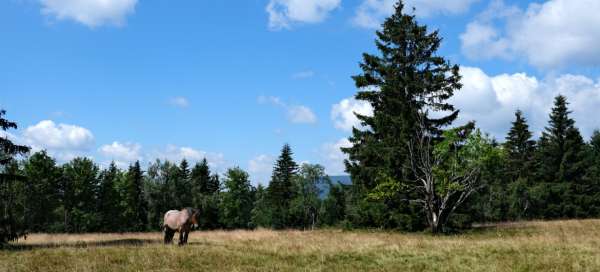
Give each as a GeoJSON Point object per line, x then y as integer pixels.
{"type": "Point", "coordinates": [343, 115]}
{"type": "Point", "coordinates": [284, 13]}
{"type": "Point", "coordinates": [260, 169]}
{"type": "Point", "coordinates": [123, 153]}
{"type": "Point", "coordinates": [92, 13]}
{"type": "Point", "coordinates": [178, 153]}
{"type": "Point", "coordinates": [371, 13]}
{"type": "Point", "coordinates": [179, 101]}
{"type": "Point", "coordinates": [297, 114]}
{"type": "Point", "coordinates": [492, 100]}
{"type": "Point", "coordinates": [549, 35]}
{"type": "Point", "coordinates": [63, 141]}
{"type": "Point", "coordinates": [333, 158]}
{"type": "Point", "coordinates": [301, 115]}
{"type": "Point", "coordinates": [303, 74]}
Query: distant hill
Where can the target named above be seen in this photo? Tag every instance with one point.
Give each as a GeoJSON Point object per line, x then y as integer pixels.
{"type": "Point", "coordinates": [324, 186]}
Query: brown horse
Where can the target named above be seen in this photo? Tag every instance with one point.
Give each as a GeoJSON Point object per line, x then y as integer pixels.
{"type": "Point", "coordinates": [179, 221]}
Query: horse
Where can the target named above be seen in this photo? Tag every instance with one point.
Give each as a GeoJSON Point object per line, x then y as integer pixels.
{"type": "Point", "coordinates": [179, 221]}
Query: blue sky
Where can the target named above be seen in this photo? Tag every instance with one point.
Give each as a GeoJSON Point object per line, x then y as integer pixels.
{"type": "Point", "coordinates": [235, 80]}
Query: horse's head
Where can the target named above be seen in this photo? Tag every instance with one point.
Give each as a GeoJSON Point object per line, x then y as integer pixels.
{"type": "Point", "coordinates": [195, 217]}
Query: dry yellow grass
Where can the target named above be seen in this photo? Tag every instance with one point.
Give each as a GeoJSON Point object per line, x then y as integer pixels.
{"type": "Point", "coordinates": [533, 246]}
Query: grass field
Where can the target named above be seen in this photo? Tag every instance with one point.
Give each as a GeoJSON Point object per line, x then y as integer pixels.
{"type": "Point", "coordinates": [533, 246]}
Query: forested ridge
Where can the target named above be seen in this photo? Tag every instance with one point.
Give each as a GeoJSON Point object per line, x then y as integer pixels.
{"type": "Point", "coordinates": [410, 170]}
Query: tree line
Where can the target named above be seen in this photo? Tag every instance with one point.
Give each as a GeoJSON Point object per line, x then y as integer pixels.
{"type": "Point", "coordinates": [411, 169]}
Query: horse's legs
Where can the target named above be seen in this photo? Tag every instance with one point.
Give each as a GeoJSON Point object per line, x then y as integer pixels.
{"type": "Point", "coordinates": [168, 235]}
{"type": "Point", "coordinates": [181, 241]}
{"type": "Point", "coordinates": [185, 237]}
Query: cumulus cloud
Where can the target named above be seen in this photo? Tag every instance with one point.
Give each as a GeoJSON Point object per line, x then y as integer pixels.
{"type": "Point", "coordinates": [122, 153]}
{"type": "Point", "coordinates": [260, 168]}
{"type": "Point", "coordinates": [333, 158]}
{"type": "Point", "coordinates": [549, 35]}
{"type": "Point", "coordinates": [492, 100]}
{"type": "Point", "coordinates": [92, 13]}
{"type": "Point", "coordinates": [284, 13]}
{"type": "Point", "coordinates": [371, 13]}
{"type": "Point", "coordinates": [63, 141]}
{"type": "Point", "coordinates": [178, 153]}
{"type": "Point", "coordinates": [179, 101]}
{"type": "Point", "coordinates": [297, 114]}
{"type": "Point", "coordinates": [343, 113]}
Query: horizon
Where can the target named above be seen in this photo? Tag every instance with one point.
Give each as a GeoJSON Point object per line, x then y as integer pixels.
{"type": "Point", "coordinates": [138, 80]}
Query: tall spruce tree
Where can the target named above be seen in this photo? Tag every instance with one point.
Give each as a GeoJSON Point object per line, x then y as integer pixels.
{"type": "Point", "coordinates": [519, 169]}
{"type": "Point", "coordinates": [205, 197]}
{"type": "Point", "coordinates": [407, 77]}
{"type": "Point", "coordinates": [109, 209]}
{"type": "Point", "coordinates": [137, 209]}
{"type": "Point", "coordinates": [200, 178]}
{"type": "Point", "coordinates": [560, 159]}
{"type": "Point", "coordinates": [183, 192]}
{"type": "Point", "coordinates": [281, 188]}
{"type": "Point", "coordinates": [520, 149]}
{"type": "Point", "coordinates": [12, 225]}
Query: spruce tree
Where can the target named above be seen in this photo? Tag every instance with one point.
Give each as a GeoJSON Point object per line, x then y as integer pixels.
{"type": "Point", "coordinates": [560, 159]}
{"type": "Point", "coordinates": [183, 187]}
{"type": "Point", "coordinates": [589, 190]}
{"type": "Point", "coordinates": [520, 148]}
{"type": "Point", "coordinates": [281, 187]}
{"type": "Point", "coordinates": [200, 178]}
{"type": "Point", "coordinates": [137, 209]}
{"type": "Point", "coordinates": [12, 225]}
{"type": "Point", "coordinates": [406, 78]}
{"type": "Point", "coordinates": [109, 209]}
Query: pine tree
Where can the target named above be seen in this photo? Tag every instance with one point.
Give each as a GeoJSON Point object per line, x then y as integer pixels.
{"type": "Point", "coordinates": [281, 187]}
{"type": "Point", "coordinates": [560, 159]}
{"type": "Point", "coordinates": [406, 78]}
{"type": "Point", "coordinates": [137, 208]}
{"type": "Point", "coordinates": [109, 209]}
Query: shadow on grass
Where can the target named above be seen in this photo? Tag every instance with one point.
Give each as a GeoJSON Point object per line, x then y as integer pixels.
{"type": "Point", "coordinates": [107, 243]}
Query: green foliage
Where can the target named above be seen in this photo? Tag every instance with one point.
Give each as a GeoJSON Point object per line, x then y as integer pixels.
{"type": "Point", "coordinates": [261, 211]}
{"type": "Point", "coordinates": [281, 188]}
{"type": "Point", "coordinates": [405, 78]}
{"type": "Point", "coordinates": [237, 200]}
{"type": "Point", "coordinates": [136, 208]}
{"type": "Point", "coordinates": [12, 207]}
{"type": "Point", "coordinates": [78, 190]}
{"type": "Point", "coordinates": [110, 212]}
{"type": "Point", "coordinates": [561, 165]}
{"type": "Point", "coordinates": [42, 197]}
{"type": "Point", "coordinates": [333, 209]}
{"type": "Point", "coordinates": [304, 207]}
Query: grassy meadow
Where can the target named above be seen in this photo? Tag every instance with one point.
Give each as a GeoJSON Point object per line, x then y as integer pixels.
{"type": "Point", "coordinates": [533, 246]}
